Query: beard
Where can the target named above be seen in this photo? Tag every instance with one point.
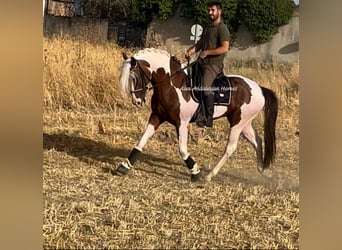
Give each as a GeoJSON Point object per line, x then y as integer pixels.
{"type": "Point", "coordinates": [214, 17]}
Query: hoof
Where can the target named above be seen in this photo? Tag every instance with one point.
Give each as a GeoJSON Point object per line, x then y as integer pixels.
{"type": "Point", "coordinates": [208, 178]}
{"type": "Point", "coordinates": [121, 170]}
{"type": "Point", "coordinates": [196, 177]}
{"type": "Point", "coordinates": [260, 169]}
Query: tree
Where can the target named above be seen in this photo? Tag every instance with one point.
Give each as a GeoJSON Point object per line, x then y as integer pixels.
{"type": "Point", "coordinates": [197, 10]}
{"type": "Point", "coordinates": [264, 17]}
{"type": "Point", "coordinates": [144, 11]}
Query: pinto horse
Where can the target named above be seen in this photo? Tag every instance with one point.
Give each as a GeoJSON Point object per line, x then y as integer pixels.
{"type": "Point", "coordinates": [173, 103]}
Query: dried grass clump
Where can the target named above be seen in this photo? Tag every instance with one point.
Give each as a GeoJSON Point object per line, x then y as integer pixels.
{"type": "Point", "coordinates": [80, 75]}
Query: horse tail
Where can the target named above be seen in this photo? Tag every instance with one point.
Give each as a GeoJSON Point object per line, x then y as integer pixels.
{"type": "Point", "coordinates": [270, 118]}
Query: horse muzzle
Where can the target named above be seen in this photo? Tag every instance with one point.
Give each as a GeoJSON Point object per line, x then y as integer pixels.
{"type": "Point", "coordinates": [137, 102]}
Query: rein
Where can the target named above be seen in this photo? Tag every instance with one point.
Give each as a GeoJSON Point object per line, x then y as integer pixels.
{"type": "Point", "coordinates": [142, 89]}
{"type": "Point", "coordinates": [187, 66]}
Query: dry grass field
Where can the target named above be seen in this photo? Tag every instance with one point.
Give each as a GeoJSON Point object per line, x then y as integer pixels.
{"type": "Point", "coordinates": [156, 206]}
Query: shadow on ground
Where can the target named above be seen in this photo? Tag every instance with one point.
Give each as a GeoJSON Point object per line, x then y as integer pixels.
{"type": "Point", "coordinates": [91, 151]}
{"type": "Point", "coordinates": [88, 150]}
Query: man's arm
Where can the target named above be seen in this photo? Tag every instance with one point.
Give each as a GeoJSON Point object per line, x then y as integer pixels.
{"type": "Point", "coordinates": [218, 51]}
{"type": "Point", "coordinates": [193, 49]}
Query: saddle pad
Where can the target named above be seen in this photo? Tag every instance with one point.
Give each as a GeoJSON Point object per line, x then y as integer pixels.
{"type": "Point", "coordinates": [222, 91]}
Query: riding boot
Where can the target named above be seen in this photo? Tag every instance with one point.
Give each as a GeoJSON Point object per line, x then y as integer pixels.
{"type": "Point", "coordinates": [209, 108]}
{"type": "Point", "coordinates": [208, 103]}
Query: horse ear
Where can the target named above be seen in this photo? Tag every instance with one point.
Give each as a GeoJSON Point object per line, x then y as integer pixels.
{"type": "Point", "coordinates": [124, 55]}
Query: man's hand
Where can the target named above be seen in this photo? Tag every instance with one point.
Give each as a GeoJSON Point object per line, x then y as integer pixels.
{"type": "Point", "coordinates": [189, 52]}
{"type": "Point", "coordinates": [203, 54]}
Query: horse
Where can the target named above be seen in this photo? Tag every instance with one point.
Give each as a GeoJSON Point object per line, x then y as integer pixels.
{"type": "Point", "coordinates": [172, 102]}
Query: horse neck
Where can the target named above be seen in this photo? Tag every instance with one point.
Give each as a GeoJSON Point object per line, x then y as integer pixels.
{"type": "Point", "coordinates": [156, 60]}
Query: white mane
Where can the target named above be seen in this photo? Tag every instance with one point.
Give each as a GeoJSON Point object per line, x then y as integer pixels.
{"type": "Point", "coordinates": [150, 51]}
{"type": "Point", "coordinates": [123, 86]}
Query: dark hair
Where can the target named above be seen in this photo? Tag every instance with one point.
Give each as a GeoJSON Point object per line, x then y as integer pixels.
{"type": "Point", "coordinates": [212, 3]}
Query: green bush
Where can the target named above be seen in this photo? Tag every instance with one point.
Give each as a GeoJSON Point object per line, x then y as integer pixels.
{"type": "Point", "coordinates": [144, 11]}
{"type": "Point", "coordinates": [264, 17]}
{"type": "Point", "coordinates": [197, 10]}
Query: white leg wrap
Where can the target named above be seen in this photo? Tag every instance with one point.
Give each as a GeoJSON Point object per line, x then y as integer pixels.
{"type": "Point", "coordinates": [196, 169]}
{"type": "Point", "coordinates": [126, 164]}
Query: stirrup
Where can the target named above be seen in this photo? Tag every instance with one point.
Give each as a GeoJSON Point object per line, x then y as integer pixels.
{"type": "Point", "coordinates": [201, 124]}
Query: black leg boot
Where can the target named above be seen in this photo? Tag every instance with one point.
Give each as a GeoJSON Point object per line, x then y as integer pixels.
{"type": "Point", "coordinates": [209, 108]}
{"type": "Point", "coordinates": [202, 120]}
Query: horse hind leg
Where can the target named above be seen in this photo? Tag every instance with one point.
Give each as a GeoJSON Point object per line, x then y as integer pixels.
{"type": "Point", "coordinates": [250, 134]}
{"type": "Point", "coordinates": [230, 148]}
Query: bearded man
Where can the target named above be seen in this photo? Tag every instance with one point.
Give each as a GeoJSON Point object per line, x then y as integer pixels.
{"type": "Point", "coordinates": [213, 45]}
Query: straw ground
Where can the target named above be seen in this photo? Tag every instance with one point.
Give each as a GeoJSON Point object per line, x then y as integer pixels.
{"type": "Point", "coordinates": [89, 128]}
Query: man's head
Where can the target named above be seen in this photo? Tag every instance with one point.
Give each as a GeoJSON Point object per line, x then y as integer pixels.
{"type": "Point", "coordinates": [214, 10]}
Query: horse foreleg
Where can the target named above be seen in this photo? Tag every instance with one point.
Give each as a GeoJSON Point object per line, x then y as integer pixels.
{"type": "Point", "coordinates": [127, 164]}
{"type": "Point", "coordinates": [183, 149]}
{"type": "Point", "coordinates": [231, 147]}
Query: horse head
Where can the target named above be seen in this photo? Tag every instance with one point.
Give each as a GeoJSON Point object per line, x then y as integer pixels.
{"type": "Point", "coordinates": [136, 72]}
{"type": "Point", "coordinates": [135, 75]}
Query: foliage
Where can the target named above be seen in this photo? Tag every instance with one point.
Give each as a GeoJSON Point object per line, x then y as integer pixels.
{"type": "Point", "coordinates": [143, 11]}
{"type": "Point", "coordinates": [264, 17]}
{"type": "Point", "coordinates": [139, 11]}
{"type": "Point", "coordinates": [197, 10]}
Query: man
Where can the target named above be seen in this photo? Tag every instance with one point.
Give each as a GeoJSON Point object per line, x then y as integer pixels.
{"type": "Point", "coordinates": [214, 43]}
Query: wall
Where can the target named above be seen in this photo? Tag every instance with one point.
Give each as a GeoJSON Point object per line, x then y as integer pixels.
{"type": "Point", "coordinates": [174, 36]}
{"type": "Point", "coordinates": [284, 46]}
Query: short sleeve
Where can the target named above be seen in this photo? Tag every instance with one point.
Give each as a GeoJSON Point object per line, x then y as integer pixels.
{"type": "Point", "coordinates": [224, 34]}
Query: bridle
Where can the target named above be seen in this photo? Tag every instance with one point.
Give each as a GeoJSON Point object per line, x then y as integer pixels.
{"type": "Point", "coordinates": [144, 87]}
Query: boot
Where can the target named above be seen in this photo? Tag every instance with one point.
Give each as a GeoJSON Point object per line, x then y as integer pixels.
{"type": "Point", "coordinates": [208, 102]}
{"type": "Point", "coordinates": [209, 108]}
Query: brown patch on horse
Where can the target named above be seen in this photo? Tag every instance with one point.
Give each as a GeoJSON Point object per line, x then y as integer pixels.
{"type": "Point", "coordinates": [140, 68]}
{"type": "Point", "coordinates": [241, 95]}
{"type": "Point", "coordinates": [155, 120]}
{"type": "Point", "coordinates": [165, 104]}
{"type": "Point", "coordinates": [143, 65]}
{"type": "Point", "coordinates": [178, 77]}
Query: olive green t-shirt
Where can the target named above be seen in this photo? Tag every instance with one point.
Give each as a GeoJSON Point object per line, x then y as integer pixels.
{"type": "Point", "coordinates": [212, 38]}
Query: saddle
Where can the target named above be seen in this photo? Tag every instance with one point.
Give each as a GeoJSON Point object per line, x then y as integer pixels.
{"type": "Point", "coordinates": [221, 87]}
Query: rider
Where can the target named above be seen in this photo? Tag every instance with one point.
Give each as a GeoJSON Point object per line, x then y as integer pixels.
{"type": "Point", "coordinates": [214, 44]}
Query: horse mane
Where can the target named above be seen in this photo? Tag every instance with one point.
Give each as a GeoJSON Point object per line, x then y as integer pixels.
{"type": "Point", "coordinates": [124, 88]}
{"type": "Point", "coordinates": [151, 50]}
